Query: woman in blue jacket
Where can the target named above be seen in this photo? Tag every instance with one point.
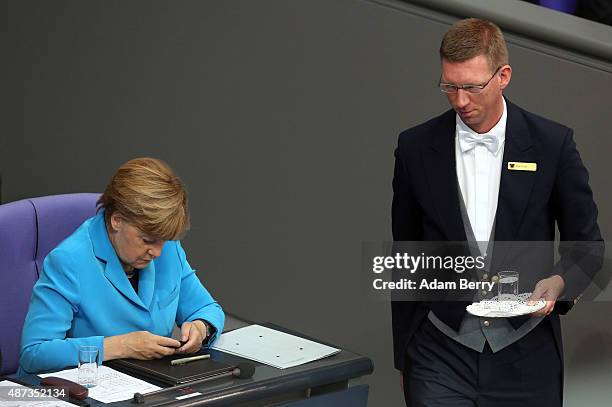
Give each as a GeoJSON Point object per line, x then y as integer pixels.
{"type": "Point", "coordinates": [121, 281]}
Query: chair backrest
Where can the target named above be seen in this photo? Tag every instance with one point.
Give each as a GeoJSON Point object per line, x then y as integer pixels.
{"type": "Point", "coordinates": [29, 230]}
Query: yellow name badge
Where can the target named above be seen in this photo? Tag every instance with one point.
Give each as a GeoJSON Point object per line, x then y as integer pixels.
{"type": "Point", "coordinates": [518, 166]}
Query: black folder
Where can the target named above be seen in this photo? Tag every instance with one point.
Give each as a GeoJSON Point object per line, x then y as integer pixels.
{"type": "Point", "coordinates": [161, 370]}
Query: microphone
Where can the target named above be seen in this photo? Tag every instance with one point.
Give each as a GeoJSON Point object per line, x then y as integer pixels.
{"type": "Point", "coordinates": [242, 371]}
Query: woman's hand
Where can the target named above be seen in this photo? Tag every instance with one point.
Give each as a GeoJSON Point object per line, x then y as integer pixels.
{"type": "Point", "coordinates": [192, 335]}
{"type": "Point", "coordinates": [141, 345]}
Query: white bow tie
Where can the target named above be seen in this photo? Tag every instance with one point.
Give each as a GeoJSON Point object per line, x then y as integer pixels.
{"type": "Point", "coordinates": [468, 140]}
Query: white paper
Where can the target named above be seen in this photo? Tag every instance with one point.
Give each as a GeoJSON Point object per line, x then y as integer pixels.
{"type": "Point", "coordinates": [271, 347]}
{"type": "Point", "coordinates": [33, 403]}
{"type": "Point", "coordinates": [112, 385]}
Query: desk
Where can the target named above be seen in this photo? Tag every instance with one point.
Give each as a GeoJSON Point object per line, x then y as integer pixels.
{"type": "Point", "coordinates": [321, 383]}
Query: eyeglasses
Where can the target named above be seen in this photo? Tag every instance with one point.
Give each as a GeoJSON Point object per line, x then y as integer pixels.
{"type": "Point", "coordinates": [473, 89]}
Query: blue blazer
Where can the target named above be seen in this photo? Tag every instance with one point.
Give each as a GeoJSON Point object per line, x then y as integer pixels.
{"type": "Point", "coordinates": [83, 295]}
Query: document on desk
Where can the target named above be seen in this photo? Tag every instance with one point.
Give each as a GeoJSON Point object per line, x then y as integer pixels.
{"type": "Point", "coordinates": [112, 385]}
{"type": "Point", "coordinates": [272, 347]}
{"type": "Point", "coordinates": [18, 397]}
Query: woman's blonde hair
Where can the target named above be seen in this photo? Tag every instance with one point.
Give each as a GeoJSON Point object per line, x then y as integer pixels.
{"type": "Point", "coordinates": [148, 195]}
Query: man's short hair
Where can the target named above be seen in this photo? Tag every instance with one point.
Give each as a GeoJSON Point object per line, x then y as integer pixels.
{"type": "Point", "coordinates": [471, 37]}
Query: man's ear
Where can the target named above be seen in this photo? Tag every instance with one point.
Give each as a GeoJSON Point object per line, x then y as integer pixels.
{"type": "Point", "coordinates": [505, 74]}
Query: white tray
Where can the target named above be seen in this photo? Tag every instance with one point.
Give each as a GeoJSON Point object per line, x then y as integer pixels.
{"type": "Point", "coordinates": [504, 309]}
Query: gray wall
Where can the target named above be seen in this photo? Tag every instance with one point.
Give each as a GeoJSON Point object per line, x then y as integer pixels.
{"type": "Point", "coordinates": [281, 117]}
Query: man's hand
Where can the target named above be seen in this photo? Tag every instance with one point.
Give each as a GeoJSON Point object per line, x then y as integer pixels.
{"type": "Point", "coordinates": [141, 345]}
{"type": "Point", "coordinates": [548, 289]}
{"type": "Point", "coordinates": [192, 336]}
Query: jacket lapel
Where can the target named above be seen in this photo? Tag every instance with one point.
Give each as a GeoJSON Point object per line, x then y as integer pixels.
{"type": "Point", "coordinates": [439, 162]}
{"type": "Point", "coordinates": [146, 284]}
{"type": "Point", "coordinates": [104, 251]}
{"type": "Point", "coordinates": [515, 187]}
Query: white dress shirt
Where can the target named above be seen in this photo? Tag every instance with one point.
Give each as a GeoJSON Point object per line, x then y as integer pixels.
{"type": "Point", "coordinates": [479, 173]}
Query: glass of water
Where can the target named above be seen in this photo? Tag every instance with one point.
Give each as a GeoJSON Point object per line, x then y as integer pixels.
{"type": "Point", "coordinates": [507, 285]}
{"type": "Point", "coordinates": [88, 366]}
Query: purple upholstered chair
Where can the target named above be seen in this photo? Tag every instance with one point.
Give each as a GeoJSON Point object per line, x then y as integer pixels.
{"type": "Point", "coordinates": [29, 230]}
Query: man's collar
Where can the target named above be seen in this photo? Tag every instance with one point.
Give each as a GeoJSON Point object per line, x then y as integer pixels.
{"type": "Point", "coordinates": [498, 131]}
